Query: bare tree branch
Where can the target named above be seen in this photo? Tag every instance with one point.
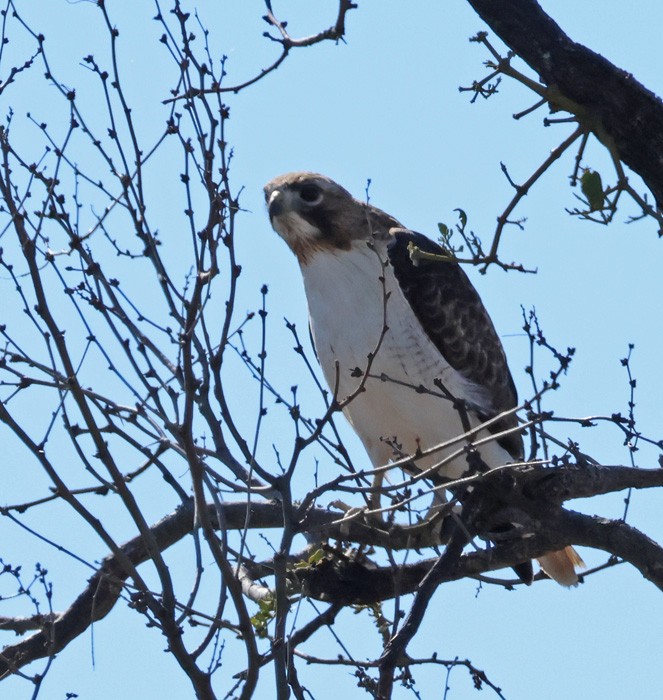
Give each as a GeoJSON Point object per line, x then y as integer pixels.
{"type": "Point", "coordinates": [345, 580]}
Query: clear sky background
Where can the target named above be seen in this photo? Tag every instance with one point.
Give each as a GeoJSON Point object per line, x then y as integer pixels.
{"type": "Point", "coordinates": [385, 106]}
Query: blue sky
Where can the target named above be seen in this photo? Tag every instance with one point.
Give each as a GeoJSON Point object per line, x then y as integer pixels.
{"type": "Point", "coordinates": [385, 106]}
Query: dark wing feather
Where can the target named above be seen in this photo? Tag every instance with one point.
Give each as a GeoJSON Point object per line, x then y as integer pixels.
{"type": "Point", "coordinates": [454, 318]}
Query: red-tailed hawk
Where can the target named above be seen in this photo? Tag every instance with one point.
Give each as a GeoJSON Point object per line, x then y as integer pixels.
{"type": "Point", "coordinates": [424, 326]}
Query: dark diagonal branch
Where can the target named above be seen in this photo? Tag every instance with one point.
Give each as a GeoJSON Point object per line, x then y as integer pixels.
{"type": "Point", "coordinates": [608, 100]}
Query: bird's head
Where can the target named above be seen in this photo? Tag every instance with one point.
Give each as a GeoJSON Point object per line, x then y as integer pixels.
{"type": "Point", "coordinates": [313, 214]}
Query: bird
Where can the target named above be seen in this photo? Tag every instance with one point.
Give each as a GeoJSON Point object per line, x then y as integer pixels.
{"type": "Point", "coordinates": [406, 345]}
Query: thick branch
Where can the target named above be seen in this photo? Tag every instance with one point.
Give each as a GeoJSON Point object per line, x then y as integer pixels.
{"type": "Point", "coordinates": [619, 110]}
{"type": "Point", "coordinates": [354, 583]}
{"type": "Point", "coordinates": [560, 484]}
{"type": "Point", "coordinates": [536, 493]}
{"type": "Point", "coordinates": [105, 586]}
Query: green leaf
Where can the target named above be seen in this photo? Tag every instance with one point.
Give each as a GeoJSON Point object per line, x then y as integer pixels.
{"type": "Point", "coordinates": [463, 218]}
{"type": "Point", "coordinates": [313, 559]}
{"type": "Point", "coordinates": [592, 188]}
{"type": "Point", "coordinates": [317, 556]}
{"type": "Point", "coordinates": [264, 616]}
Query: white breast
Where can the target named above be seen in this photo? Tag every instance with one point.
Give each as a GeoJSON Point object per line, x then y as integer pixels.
{"type": "Point", "coordinates": [349, 305]}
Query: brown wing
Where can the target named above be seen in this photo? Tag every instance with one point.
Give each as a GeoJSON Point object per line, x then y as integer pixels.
{"type": "Point", "coordinates": [454, 318]}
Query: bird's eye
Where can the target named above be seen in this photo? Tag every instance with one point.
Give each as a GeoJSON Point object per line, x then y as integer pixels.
{"type": "Point", "coordinates": [311, 194]}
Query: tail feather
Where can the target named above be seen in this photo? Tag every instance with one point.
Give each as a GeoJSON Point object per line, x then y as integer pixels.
{"type": "Point", "coordinates": [560, 566]}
